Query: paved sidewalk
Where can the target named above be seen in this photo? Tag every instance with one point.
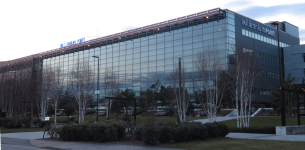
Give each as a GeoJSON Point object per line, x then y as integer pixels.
{"type": "Point", "coordinates": [25, 135]}
{"type": "Point", "coordinates": [36, 140]}
{"type": "Point", "coordinates": [299, 137]}
{"type": "Point", "coordinates": [46, 144]}
{"type": "Point", "coordinates": [218, 119]}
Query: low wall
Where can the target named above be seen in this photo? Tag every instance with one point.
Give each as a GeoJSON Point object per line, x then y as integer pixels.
{"type": "Point", "coordinates": [290, 130]}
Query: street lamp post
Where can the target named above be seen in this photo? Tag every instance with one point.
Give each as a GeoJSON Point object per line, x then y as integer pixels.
{"type": "Point", "coordinates": [97, 83]}
{"type": "Point", "coordinates": [280, 75]}
{"type": "Point", "coordinates": [179, 58]}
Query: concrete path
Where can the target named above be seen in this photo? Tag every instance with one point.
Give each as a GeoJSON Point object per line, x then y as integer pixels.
{"type": "Point", "coordinates": [218, 119]}
{"type": "Point", "coordinates": [25, 135]}
{"type": "Point", "coordinates": [300, 137]}
{"type": "Point", "coordinates": [35, 139]}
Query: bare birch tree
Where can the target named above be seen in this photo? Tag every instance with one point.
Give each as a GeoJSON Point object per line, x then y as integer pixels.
{"type": "Point", "coordinates": [180, 92]}
{"type": "Point", "coordinates": [244, 74]}
{"type": "Point", "coordinates": [109, 86]}
{"type": "Point", "coordinates": [82, 85]}
{"type": "Point", "coordinates": [209, 66]}
{"type": "Point", "coordinates": [56, 78]}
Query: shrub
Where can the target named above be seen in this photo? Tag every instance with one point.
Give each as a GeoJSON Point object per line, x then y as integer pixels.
{"type": "Point", "coordinates": [9, 124]}
{"type": "Point", "coordinates": [17, 124]}
{"type": "Point", "coordinates": [180, 133]}
{"type": "Point", "coordinates": [95, 132]}
{"type": "Point", "coordinates": [213, 130]}
{"type": "Point", "coordinates": [197, 131]}
{"type": "Point", "coordinates": [150, 135]}
{"type": "Point", "coordinates": [262, 130]}
{"type": "Point", "coordinates": [138, 132]}
{"type": "Point", "coordinates": [223, 129]}
{"type": "Point", "coordinates": [166, 134]}
{"type": "Point", "coordinates": [111, 134]}
{"type": "Point", "coordinates": [120, 130]}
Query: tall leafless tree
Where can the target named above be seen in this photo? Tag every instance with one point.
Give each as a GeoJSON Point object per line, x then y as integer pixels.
{"type": "Point", "coordinates": [244, 75]}
{"type": "Point", "coordinates": [109, 87]}
{"type": "Point", "coordinates": [82, 86]}
{"type": "Point", "coordinates": [209, 65]}
{"type": "Point", "coordinates": [180, 92]}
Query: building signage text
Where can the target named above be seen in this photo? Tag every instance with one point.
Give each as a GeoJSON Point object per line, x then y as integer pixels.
{"type": "Point", "coordinates": [248, 23]}
{"type": "Point", "coordinates": [72, 42]}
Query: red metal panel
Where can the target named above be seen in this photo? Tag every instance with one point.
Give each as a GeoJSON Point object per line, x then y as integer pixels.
{"type": "Point", "coordinates": [139, 30]}
{"type": "Point", "coordinates": [147, 28]}
{"type": "Point", "coordinates": [191, 17]}
{"type": "Point", "coordinates": [155, 26]}
{"type": "Point", "coordinates": [124, 33]}
{"type": "Point", "coordinates": [181, 19]}
{"type": "Point", "coordinates": [117, 35]}
{"type": "Point", "coordinates": [172, 22]}
{"type": "Point", "coordinates": [163, 24]}
{"type": "Point", "coordinates": [202, 14]}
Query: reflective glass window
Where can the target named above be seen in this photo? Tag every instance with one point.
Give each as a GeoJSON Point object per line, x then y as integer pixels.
{"type": "Point", "coordinates": [153, 52]}
{"type": "Point", "coordinates": [220, 27]}
{"type": "Point", "coordinates": [197, 32]}
{"type": "Point", "coordinates": [197, 38]}
{"type": "Point", "coordinates": [160, 51]}
{"type": "Point", "coordinates": [136, 55]}
{"type": "Point", "coordinates": [177, 36]}
{"type": "Point", "coordinates": [187, 34]}
{"type": "Point", "coordinates": [169, 43]}
{"type": "Point", "coordinates": [178, 42]}
{"type": "Point", "coordinates": [219, 34]}
{"type": "Point", "coordinates": [169, 38]}
{"type": "Point", "coordinates": [144, 54]}
{"type": "Point", "coordinates": [178, 48]}
{"type": "Point", "coordinates": [208, 36]}
{"type": "Point", "coordinates": [160, 45]}
{"type": "Point", "coordinates": [207, 30]}
{"type": "Point", "coordinates": [197, 44]}
{"type": "Point", "coordinates": [187, 46]}
{"type": "Point", "coordinates": [187, 40]}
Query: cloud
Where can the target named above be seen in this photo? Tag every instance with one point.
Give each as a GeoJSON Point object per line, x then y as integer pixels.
{"type": "Point", "coordinates": [128, 28]}
{"type": "Point", "coordinates": [238, 3]}
{"type": "Point", "coordinates": [261, 11]}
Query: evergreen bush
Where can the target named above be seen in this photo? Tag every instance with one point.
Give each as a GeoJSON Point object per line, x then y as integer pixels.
{"type": "Point", "coordinates": [166, 134]}
{"type": "Point", "coordinates": [223, 129]}
{"type": "Point", "coordinates": [181, 132]}
{"type": "Point", "coordinates": [150, 135]}
{"type": "Point", "coordinates": [213, 130]}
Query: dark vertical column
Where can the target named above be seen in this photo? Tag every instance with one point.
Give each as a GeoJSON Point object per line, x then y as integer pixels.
{"type": "Point", "coordinates": [298, 108]}
{"type": "Point", "coordinates": [135, 111]}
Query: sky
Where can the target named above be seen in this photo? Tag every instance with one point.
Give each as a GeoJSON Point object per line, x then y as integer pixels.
{"type": "Point", "coordinates": [32, 26]}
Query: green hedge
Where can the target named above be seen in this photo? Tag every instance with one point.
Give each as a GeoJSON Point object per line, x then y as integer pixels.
{"type": "Point", "coordinates": [95, 132]}
{"type": "Point", "coordinates": [167, 132]}
{"type": "Point", "coordinates": [261, 130]}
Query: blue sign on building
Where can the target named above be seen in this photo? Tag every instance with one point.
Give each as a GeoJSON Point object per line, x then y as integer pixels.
{"type": "Point", "coordinates": [248, 23]}
{"type": "Point", "coordinates": [72, 42]}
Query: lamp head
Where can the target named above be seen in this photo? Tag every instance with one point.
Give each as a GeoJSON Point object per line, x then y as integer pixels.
{"type": "Point", "coordinates": [95, 56]}
{"type": "Point", "coordinates": [179, 57]}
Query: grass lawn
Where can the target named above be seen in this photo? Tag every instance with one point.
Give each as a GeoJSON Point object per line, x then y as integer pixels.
{"type": "Point", "coordinates": [267, 122]}
{"type": "Point", "coordinates": [239, 144]}
{"type": "Point", "coordinates": [21, 130]}
{"type": "Point", "coordinates": [64, 118]}
{"type": "Point", "coordinates": [142, 119]}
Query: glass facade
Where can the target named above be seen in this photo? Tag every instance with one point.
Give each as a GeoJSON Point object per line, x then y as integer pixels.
{"type": "Point", "coordinates": [137, 63]}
